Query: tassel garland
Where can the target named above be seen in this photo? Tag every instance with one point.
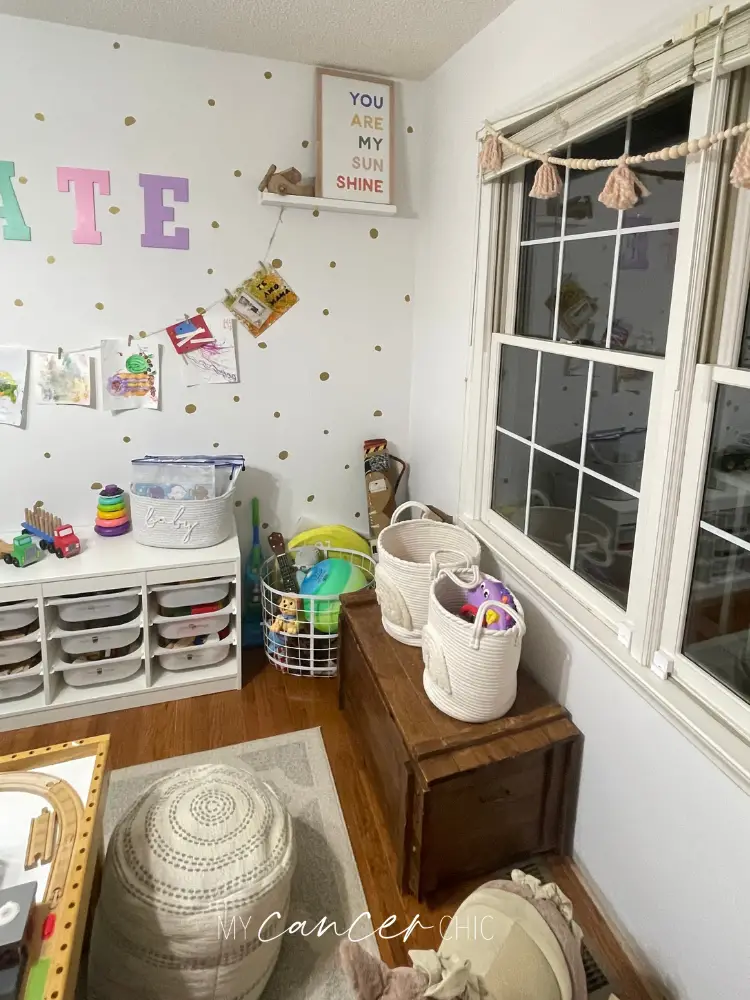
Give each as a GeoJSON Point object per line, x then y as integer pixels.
{"type": "Point", "coordinates": [740, 175]}
{"type": "Point", "coordinates": [491, 155]}
{"type": "Point", "coordinates": [547, 183]}
{"type": "Point", "coordinates": [623, 189]}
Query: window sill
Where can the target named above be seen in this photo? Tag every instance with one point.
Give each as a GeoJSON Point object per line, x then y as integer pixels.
{"type": "Point", "coordinates": [722, 746]}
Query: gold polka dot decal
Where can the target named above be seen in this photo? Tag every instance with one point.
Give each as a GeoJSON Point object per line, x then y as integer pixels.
{"type": "Point", "coordinates": [47, 455]}
{"type": "Point", "coordinates": [316, 213]}
{"type": "Point", "coordinates": [216, 444]}
{"type": "Point", "coordinates": [276, 413]}
{"type": "Point", "coordinates": [39, 116]}
{"type": "Point", "coordinates": [236, 399]}
{"type": "Point", "coordinates": [262, 345]}
{"type": "Point", "coordinates": [38, 504]}
{"type": "Point", "coordinates": [283, 455]}
{"type": "Point", "coordinates": [210, 271]}
{"type": "Point", "coordinates": [238, 173]}
{"type": "Point", "coordinates": [50, 259]}
{"type": "Point", "coordinates": [200, 310]}
{"type": "Point", "coordinates": [374, 234]}
{"type": "Point", "coordinates": [211, 102]}
{"type": "Point", "coordinates": [126, 439]}
{"type": "Point", "coordinates": [23, 180]}
{"type": "Point", "coordinates": [332, 264]}
{"type": "Point", "coordinates": [378, 347]}
{"type": "Point", "coordinates": [268, 74]}
{"type": "Point", "coordinates": [409, 129]}
{"type": "Point", "coordinates": [357, 513]}
{"type": "Point", "coordinates": [99, 306]}
{"type": "Point", "coordinates": [17, 302]}
{"type": "Point", "coordinates": [377, 413]}
{"type": "Point", "coordinates": [347, 467]}
{"type": "Point", "coordinates": [326, 432]}
{"type": "Point", "coordinates": [264, 525]}
{"type": "Point", "coordinates": [214, 224]}
{"type": "Point", "coordinates": [407, 298]}
{"type": "Point", "coordinates": [129, 120]}
{"type": "Point", "coordinates": [191, 408]}
{"type": "Point", "coordinates": [277, 262]}
{"type": "Point", "coordinates": [237, 503]}
{"type": "Point", "coordinates": [142, 334]}
{"type": "Point", "coordinates": [114, 210]}
{"type": "Point", "coordinates": [97, 486]}
{"type": "Point", "coordinates": [305, 143]}
{"type": "Point", "coordinates": [325, 312]}
{"type": "Point", "coordinates": [311, 498]}
{"type": "Point", "coordinates": [115, 45]}
{"type": "Point", "coordinates": [324, 376]}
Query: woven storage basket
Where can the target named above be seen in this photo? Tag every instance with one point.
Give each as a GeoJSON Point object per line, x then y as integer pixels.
{"type": "Point", "coordinates": [408, 552]}
{"type": "Point", "coordinates": [470, 671]}
{"type": "Point", "coordinates": [179, 524]}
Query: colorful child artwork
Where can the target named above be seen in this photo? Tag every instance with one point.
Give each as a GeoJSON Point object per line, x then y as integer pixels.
{"type": "Point", "coordinates": [130, 376]}
{"type": "Point", "coordinates": [13, 363]}
{"type": "Point", "coordinates": [190, 335]}
{"type": "Point", "coordinates": [216, 363]}
{"type": "Point", "coordinates": [259, 301]}
{"type": "Point", "coordinates": [63, 379]}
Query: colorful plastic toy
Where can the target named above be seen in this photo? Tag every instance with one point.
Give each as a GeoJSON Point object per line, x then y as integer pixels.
{"type": "Point", "coordinates": [21, 553]}
{"type": "Point", "coordinates": [55, 536]}
{"type": "Point", "coordinates": [489, 590]}
{"type": "Point", "coordinates": [112, 516]}
{"type": "Point", "coordinates": [331, 576]}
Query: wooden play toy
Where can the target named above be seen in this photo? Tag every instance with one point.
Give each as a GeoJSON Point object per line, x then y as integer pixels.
{"type": "Point", "coordinates": [112, 516]}
{"type": "Point", "coordinates": [58, 844]}
{"type": "Point", "coordinates": [287, 181]}
{"type": "Point", "coordinates": [53, 534]}
{"type": "Point", "coordinates": [22, 552]}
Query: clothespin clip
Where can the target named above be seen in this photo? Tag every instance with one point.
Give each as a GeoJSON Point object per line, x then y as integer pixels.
{"type": "Point", "coordinates": [59, 353]}
{"type": "Point", "coordinates": [230, 295]}
{"type": "Point", "coordinates": [130, 339]}
{"type": "Point", "coordinates": [186, 317]}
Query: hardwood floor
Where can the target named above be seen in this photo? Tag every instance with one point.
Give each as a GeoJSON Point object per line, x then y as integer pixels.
{"type": "Point", "coordinates": [271, 703]}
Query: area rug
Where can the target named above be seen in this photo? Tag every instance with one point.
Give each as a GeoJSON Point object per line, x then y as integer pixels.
{"type": "Point", "coordinates": [326, 881]}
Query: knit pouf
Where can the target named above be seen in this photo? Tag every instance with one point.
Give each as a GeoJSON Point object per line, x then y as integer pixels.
{"type": "Point", "coordinates": [195, 878]}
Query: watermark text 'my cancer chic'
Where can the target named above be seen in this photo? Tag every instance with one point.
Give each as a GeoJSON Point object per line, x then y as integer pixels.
{"type": "Point", "coordinates": [236, 926]}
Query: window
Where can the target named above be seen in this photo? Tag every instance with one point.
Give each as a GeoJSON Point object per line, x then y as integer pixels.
{"type": "Point", "coordinates": [581, 346]}
{"type": "Point", "coordinates": [607, 442]}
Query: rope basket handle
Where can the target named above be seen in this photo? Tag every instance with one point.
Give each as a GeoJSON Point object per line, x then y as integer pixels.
{"type": "Point", "coordinates": [426, 512]}
{"type": "Point", "coordinates": [435, 565]}
{"type": "Point", "coordinates": [472, 573]}
{"type": "Point", "coordinates": [514, 613]}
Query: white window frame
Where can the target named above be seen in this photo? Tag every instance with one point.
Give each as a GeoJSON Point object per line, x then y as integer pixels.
{"type": "Point", "coordinates": [711, 716]}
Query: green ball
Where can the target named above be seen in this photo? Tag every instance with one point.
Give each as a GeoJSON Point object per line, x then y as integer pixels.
{"type": "Point", "coordinates": [331, 576]}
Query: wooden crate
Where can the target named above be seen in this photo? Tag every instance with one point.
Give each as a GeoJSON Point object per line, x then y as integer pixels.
{"type": "Point", "coordinates": [459, 799]}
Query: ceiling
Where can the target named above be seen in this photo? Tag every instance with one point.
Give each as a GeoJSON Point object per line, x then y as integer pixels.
{"type": "Point", "coordinates": [401, 38]}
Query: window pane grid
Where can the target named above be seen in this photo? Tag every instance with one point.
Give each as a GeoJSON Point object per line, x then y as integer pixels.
{"type": "Point", "coordinates": [579, 490]}
{"type": "Point", "coordinates": [535, 413]}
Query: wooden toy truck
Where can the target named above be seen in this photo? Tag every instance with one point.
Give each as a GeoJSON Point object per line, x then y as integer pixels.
{"type": "Point", "coordinates": [22, 552]}
{"type": "Point", "coordinates": [53, 534]}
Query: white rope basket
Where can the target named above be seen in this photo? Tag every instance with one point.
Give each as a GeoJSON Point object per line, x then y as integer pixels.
{"type": "Point", "coordinates": [182, 524]}
{"type": "Point", "coordinates": [409, 552]}
{"type": "Point", "coordinates": [470, 671]}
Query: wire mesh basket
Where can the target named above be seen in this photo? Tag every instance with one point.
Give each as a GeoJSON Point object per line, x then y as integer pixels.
{"type": "Point", "coordinates": [300, 631]}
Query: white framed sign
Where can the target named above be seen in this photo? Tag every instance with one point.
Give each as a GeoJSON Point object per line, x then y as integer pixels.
{"type": "Point", "coordinates": [355, 137]}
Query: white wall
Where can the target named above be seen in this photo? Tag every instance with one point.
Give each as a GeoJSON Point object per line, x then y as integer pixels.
{"type": "Point", "coordinates": [85, 88]}
{"type": "Point", "coordinates": [662, 833]}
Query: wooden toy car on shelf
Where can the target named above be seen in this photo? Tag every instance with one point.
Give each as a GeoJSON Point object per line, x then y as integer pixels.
{"type": "Point", "coordinates": [53, 534]}
{"type": "Point", "coordinates": [22, 552]}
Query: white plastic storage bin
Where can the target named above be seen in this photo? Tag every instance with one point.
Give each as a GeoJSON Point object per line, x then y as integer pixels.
{"type": "Point", "coordinates": [193, 656]}
{"type": "Point", "coordinates": [181, 628]}
{"type": "Point", "coordinates": [15, 652]}
{"type": "Point", "coordinates": [189, 594]}
{"type": "Point", "coordinates": [115, 607]}
{"type": "Point", "coordinates": [470, 671]}
{"type": "Point", "coordinates": [15, 616]}
{"type": "Point", "coordinates": [105, 639]}
{"type": "Point", "coordinates": [19, 685]}
{"type": "Point", "coordinates": [410, 552]}
{"type": "Point", "coordinates": [101, 673]}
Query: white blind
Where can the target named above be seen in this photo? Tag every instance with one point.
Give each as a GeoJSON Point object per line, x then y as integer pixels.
{"type": "Point", "coordinates": [626, 89]}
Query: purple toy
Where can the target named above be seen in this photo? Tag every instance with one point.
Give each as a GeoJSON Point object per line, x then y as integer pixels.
{"type": "Point", "coordinates": [489, 590]}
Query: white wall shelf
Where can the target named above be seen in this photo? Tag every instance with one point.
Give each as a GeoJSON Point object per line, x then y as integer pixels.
{"type": "Point", "coordinates": [109, 564]}
{"type": "Point", "coordinates": [326, 204]}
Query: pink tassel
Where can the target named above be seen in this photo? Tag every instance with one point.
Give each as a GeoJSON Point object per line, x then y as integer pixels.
{"type": "Point", "coordinates": [491, 155]}
{"type": "Point", "coordinates": [547, 183]}
{"type": "Point", "coordinates": [740, 175]}
{"type": "Point", "coordinates": [623, 188]}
